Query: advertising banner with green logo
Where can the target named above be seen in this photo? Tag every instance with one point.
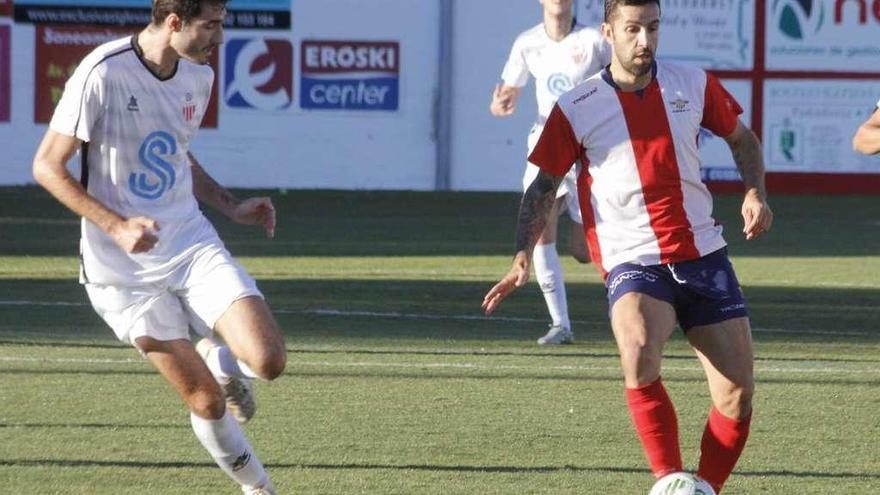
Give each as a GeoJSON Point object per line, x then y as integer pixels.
{"type": "Point", "coordinates": [823, 35]}
{"type": "Point", "coordinates": [808, 125]}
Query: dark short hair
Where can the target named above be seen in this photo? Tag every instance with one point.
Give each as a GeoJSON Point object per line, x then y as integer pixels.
{"type": "Point", "coordinates": [187, 10]}
{"type": "Point", "coordinates": [612, 5]}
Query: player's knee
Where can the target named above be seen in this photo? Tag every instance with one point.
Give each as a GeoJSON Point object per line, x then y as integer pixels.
{"type": "Point", "coordinates": [737, 401]}
{"type": "Point", "coordinates": [640, 359]}
{"type": "Point", "coordinates": [208, 404]}
{"type": "Point", "coordinates": [272, 364]}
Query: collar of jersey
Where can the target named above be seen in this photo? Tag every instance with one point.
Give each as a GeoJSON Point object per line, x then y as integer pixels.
{"type": "Point", "coordinates": [606, 76]}
{"type": "Point", "coordinates": [140, 56]}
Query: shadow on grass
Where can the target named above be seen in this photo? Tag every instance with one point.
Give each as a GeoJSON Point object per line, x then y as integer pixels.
{"type": "Point", "coordinates": [448, 311]}
{"type": "Point", "coordinates": [409, 223]}
{"type": "Point", "coordinates": [365, 373]}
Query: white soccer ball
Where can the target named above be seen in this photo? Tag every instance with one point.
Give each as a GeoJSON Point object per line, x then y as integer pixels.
{"type": "Point", "coordinates": [681, 483]}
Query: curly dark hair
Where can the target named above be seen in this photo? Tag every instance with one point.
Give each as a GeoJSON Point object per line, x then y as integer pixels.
{"type": "Point", "coordinates": [187, 10]}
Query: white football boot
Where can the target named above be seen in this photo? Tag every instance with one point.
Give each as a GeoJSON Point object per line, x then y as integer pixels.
{"type": "Point", "coordinates": [266, 489]}
{"type": "Point", "coordinates": [240, 400]}
{"type": "Point", "coordinates": [557, 335]}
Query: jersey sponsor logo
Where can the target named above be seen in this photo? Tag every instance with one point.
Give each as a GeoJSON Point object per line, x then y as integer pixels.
{"type": "Point", "coordinates": [630, 275]}
{"type": "Point", "coordinates": [350, 75]}
{"type": "Point", "coordinates": [259, 73]}
{"type": "Point", "coordinates": [732, 307]}
{"type": "Point", "coordinates": [799, 18]}
{"type": "Point", "coordinates": [132, 104]}
{"type": "Point", "coordinates": [559, 83]}
{"type": "Point", "coordinates": [585, 96]}
{"type": "Point", "coordinates": [160, 175]}
{"type": "Point", "coordinates": [680, 105]}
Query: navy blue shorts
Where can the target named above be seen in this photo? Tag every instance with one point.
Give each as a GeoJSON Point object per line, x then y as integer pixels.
{"type": "Point", "coordinates": [702, 291]}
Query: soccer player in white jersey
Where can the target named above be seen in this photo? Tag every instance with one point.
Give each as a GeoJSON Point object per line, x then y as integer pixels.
{"type": "Point", "coordinates": [558, 53]}
{"type": "Point", "coordinates": [867, 138]}
{"type": "Point", "coordinates": [633, 128]}
{"type": "Point", "coordinates": [152, 264]}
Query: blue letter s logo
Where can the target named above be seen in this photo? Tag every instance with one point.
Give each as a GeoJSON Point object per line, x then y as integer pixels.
{"type": "Point", "coordinates": [156, 146]}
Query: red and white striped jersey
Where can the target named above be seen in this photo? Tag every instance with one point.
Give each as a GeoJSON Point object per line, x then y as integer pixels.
{"type": "Point", "coordinates": [640, 191]}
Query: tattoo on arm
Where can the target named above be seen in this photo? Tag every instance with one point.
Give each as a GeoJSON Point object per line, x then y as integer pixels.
{"type": "Point", "coordinates": [749, 161]}
{"type": "Point", "coordinates": [536, 204]}
{"type": "Point", "coordinates": [208, 191]}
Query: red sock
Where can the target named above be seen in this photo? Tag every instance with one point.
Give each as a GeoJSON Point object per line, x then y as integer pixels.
{"type": "Point", "coordinates": [723, 442]}
{"type": "Point", "coordinates": [657, 427]}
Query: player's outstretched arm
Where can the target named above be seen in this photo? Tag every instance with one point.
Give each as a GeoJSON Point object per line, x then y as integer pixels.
{"type": "Point", "coordinates": [133, 235]}
{"type": "Point", "coordinates": [504, 100]}
{"type": "Point", "coordinates": [537, 202]}
{"type": "Point", "coordinates": [867, 138]}
{"type": "Point", "coordinates": [251, 211]}
{"type": "Point", "coordinates": [749, 159]}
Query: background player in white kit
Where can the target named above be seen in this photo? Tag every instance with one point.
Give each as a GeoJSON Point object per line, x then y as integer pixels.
{"type": "Point", "coordinates": [867, 138]}
{"type": "Point", "coordinates": [559, 54]}
{"type": "Point", "coordinates": [152, 264]}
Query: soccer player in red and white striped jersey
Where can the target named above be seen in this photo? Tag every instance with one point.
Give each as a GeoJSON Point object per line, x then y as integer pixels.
{"type": "Point", "coordinates": [647, 218]}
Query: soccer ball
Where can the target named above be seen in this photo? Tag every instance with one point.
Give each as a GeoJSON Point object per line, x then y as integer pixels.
{"type": "Point", "coordinates": [681, 484]}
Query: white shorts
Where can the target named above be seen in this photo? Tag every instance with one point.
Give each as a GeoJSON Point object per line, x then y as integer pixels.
{"type": "Point", "coordinates": [194, 295]}
{"type": "Point", "coordinates": [567, 188]}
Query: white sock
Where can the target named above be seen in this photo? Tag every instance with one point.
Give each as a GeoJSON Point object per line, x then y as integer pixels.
{"type": "Point", "coordinates": [226, 443]}
{"type": "Point", "coordinates": [224, 365]}
{"type": "Point", "coordinates": [548, 271]}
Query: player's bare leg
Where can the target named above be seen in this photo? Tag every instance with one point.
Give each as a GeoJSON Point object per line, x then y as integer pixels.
{"type": "Point", "coordinates": [642, 325]}
{"type": "Point", "coordinates": [548, 272]}
{"type": "Point", "coordinates": [725, 350]}
{"type": "Point", "coordinates": [254, 349]}
{"type": "Point", "coordinates": [179, 363]}
{"type": "Point", "coordinates": [253, 335]}
{"type": "Point", "coordinates": [577, 243]}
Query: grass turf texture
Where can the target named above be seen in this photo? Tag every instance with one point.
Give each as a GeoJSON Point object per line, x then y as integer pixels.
{"type": "Point", "coordinates": [396, 385]}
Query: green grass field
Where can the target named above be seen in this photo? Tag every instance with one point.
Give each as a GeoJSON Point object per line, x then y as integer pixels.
{"type": "Point", "coordinates": [397, 385]}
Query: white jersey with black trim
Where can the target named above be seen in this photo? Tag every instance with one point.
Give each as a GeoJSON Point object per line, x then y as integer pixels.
{"type": "Point", "coordinates": [136, 130]}
{"type": "Point", "coordinates": [557, 66]}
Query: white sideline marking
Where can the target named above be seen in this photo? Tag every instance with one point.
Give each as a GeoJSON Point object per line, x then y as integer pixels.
{"type": "Point", "coordinates": [469, 366]}
{"type": "Point", "coordinates": [423, 316]}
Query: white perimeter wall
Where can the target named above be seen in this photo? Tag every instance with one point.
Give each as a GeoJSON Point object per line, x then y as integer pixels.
{"type": "Point", "coordinates": [297, 148]}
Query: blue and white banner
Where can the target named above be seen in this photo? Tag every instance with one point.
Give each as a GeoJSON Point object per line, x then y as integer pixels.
{"type": "Point", "coordinates": [350, 75]}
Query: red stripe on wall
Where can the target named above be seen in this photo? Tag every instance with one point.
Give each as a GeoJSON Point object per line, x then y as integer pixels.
{"type": "Point", "coordinates": [585, 186]}
{"type": "Point", "coordinates": [808, 183]}
{"type": "Point", "coordinates": [654, 152]}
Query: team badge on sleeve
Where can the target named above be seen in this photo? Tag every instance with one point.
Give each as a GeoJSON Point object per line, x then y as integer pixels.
{"type": "Point", "coordinates": [189, 108]}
